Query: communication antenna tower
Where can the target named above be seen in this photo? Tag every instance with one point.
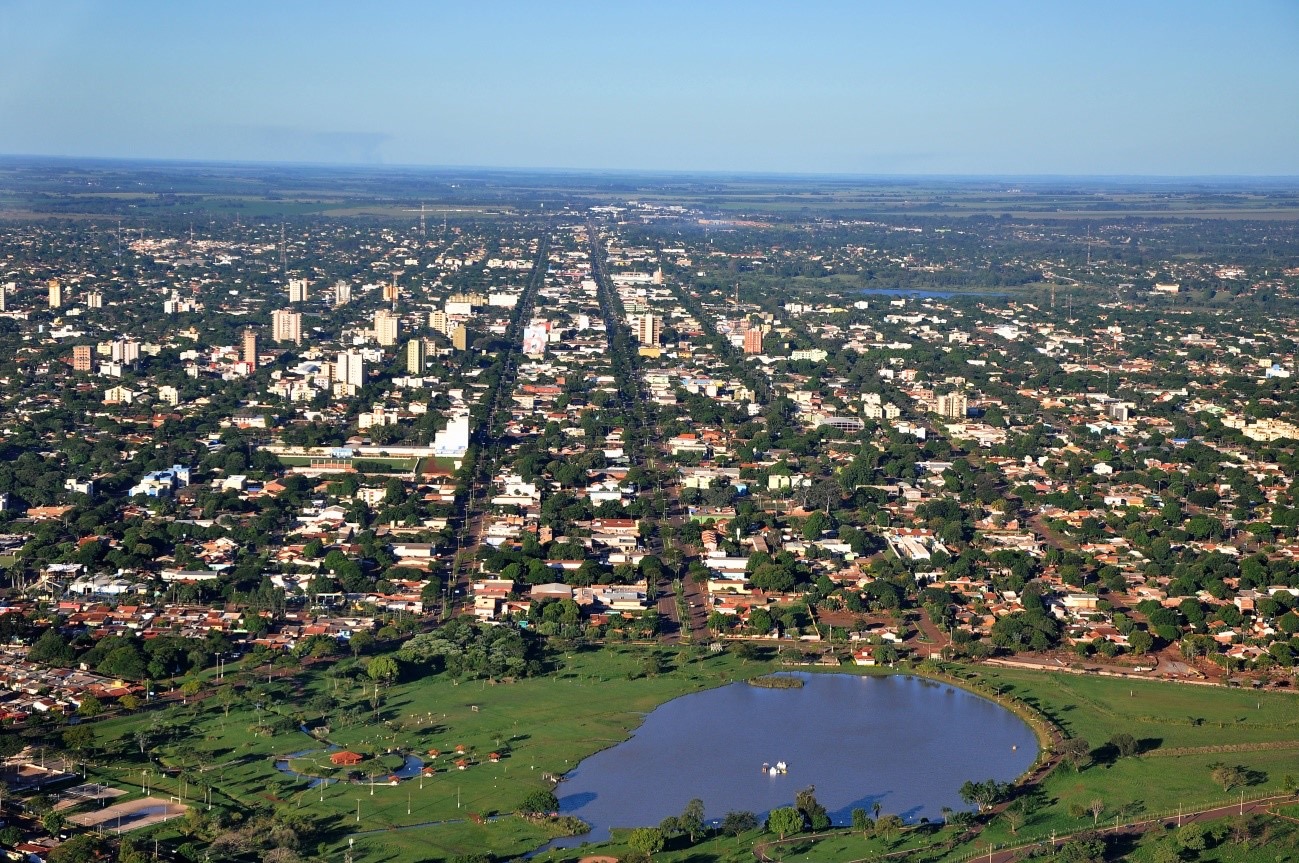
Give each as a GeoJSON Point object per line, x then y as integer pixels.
{"type": "Point", "coordinates": [423, 232]}
{"type": "Point", "coordinates": [283, 253]}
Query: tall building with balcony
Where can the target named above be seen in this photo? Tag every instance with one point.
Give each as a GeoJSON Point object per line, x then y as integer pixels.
{"type": "Point", "coordinates": [349, 371]}
{"type": "Point", "coordinates": [415, 357]}
{"type": "Point", "coordinates": [649, 328]}
{"type": "Point", "coordinates": [952, 405]}
{"type": "Point", "coordinates": [81, 358]}
{"type": "Point", "coordinates": [342, 292]}
{"type": "Point", "coordinates": [385, 328]}
{"type": "Point", "coordinates": [286, 326]}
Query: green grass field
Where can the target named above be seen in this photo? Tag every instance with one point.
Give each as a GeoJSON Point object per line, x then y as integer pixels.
{"type": "Point", "coordinates": [540, 725]}
{"type": "Point", "coordinates": [1184, 730]}
{"type": "Point", "coordinates": [547, 725]}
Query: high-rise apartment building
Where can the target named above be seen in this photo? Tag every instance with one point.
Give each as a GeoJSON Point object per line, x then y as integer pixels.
{"type": "Point", "coordinates": [415, 357]}
{"type": "Point", "coordinates": [649, 327]}
{"type": "Point", "coordinates": [297, 290]}
{"type": "Point", "coordinates": [4, 293]}
{"type": "Point", "coordinates": [753, 340]}
{"type": "Point", "coordinates": [250, 347]}
{"type": "Point", "coordinates": [390, 292]}
{"type": "Point", "coordinates": [438, 321]}
{"type": "Point", "coordinates": [385, 328]}
{"type": "Point", "coordinates": [342, 292]}
{"type": "Point", "coordinates": [81, 358]}
{"type": "Point", "coordinates": [56, 294]}
{"type": "Point", "coordinates": [124, 351]}
{"type": "Point", "coordinates": [349, 371]}
{"type": "Point", "coordinates": [286, 326]}
{"type": "Point", "coordinates": [952, 405]}
{"type": "Point", "coordinates": [94, 300]}
{"type": "Point", "coordinates": [460, 338]}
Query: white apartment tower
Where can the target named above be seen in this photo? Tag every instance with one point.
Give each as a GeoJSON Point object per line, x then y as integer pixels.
{"type": "Point", "coordinates": [286, 326]}
{"type": "Point", "coordinates": [124, 351]}
{"type": "Point", "coordinates": [385, 328]}
{"type": "Point", "coordinates": [342, 292]}
{"type": "Point", "coordinates": [94, 300]}
{"type": "Point", "coordinates": [349, 371]}
{"type": "Point", "coordinates": [297, 290]}
{"type": "Point", "coordinates": [952, 405]}
{"type": "Point", "coordinates": [56, 294]}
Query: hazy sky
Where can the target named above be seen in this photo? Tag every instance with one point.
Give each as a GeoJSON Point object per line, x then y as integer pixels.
{"type": "Point", "coordinates": [976, 86]}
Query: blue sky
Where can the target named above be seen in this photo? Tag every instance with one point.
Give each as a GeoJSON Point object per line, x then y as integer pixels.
{"type": "Point", "coordinates": [861, 87]}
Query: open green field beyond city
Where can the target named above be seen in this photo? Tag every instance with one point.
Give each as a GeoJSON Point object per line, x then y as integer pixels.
{"type": "Point", "coordinates": [224, 746]}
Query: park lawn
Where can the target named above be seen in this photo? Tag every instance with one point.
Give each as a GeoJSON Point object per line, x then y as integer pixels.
{"type": "Point", "coordinates": [539, 725]}
{"type": "Point", "coordinates": [597, 698]}
{"type": "Point", "coordinates": [1173, 714]}
{"type": "Point", "coordinates": [506, 838]}
{"type": "Point", "coordinates": [1165, 716]}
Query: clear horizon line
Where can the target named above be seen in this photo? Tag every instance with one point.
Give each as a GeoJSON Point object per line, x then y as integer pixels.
{"type": "Point", "coordinates": [679, 172]}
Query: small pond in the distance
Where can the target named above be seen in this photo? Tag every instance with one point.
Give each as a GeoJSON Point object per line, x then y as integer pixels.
{"type": "Point", "coordinates": [906, 742]}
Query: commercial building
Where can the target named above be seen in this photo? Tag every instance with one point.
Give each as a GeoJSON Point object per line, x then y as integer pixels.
{"type": "Point", "coordinates": [535, 337]}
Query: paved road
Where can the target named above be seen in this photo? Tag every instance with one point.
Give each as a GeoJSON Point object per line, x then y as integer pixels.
{"type": "Point", "coordinates": [473, 519]}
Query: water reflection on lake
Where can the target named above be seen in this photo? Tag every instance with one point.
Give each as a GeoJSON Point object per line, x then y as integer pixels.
{"type": "Point", "coordinates": [904, 742]}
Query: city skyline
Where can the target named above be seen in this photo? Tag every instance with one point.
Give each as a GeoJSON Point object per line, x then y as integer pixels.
{"type": "Point", "coordinates": [832, 88]}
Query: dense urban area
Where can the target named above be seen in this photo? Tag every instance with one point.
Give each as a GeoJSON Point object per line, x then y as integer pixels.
{"type": "Point", "coordinates": [322, 510]}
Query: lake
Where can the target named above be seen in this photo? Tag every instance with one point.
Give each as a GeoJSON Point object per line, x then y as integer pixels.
{"type": "Point", "coordinates": [906, 742]}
